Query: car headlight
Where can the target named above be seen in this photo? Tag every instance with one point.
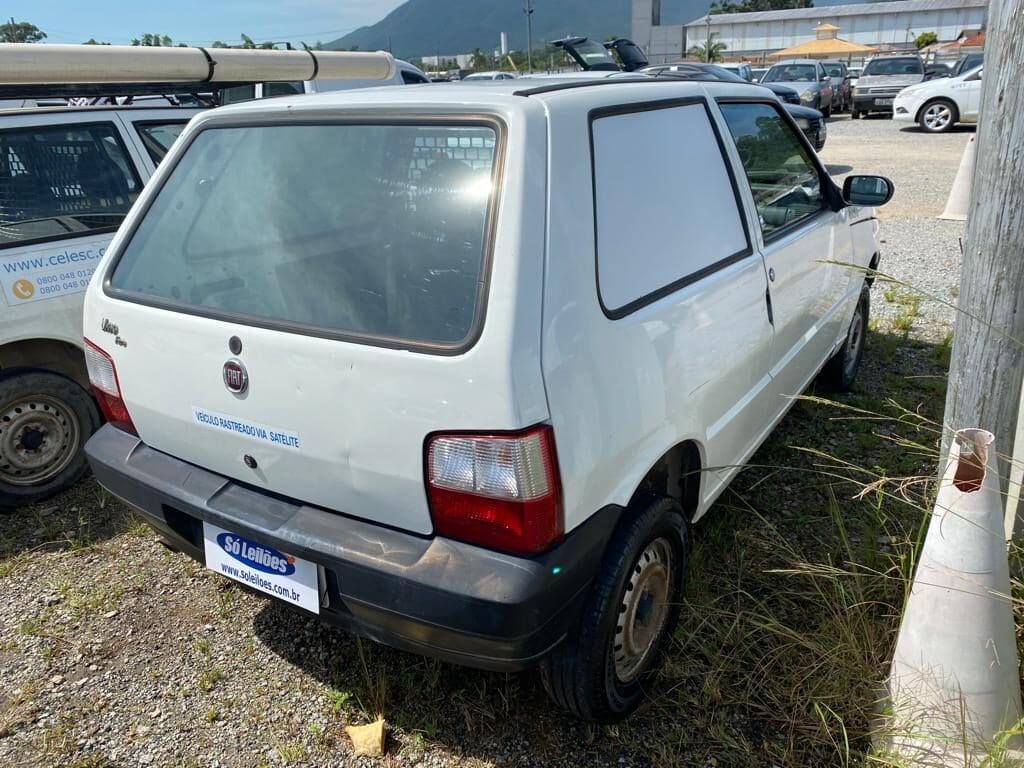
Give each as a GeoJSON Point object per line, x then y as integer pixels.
{"type": "Point", "coordinates": [856, 90]}
{"type": "Point", "coordinates": [807, 95]}
{"type": "Point", "coordinates": [803, 123]}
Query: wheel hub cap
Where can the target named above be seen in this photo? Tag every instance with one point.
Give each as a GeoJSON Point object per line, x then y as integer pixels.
{"type": "Point", "coordinates": [854, 339]}
{"type": "Point", "coordinates": [937, 116]}
{"type": "Point", "coordinates": [643, 611]}
{"type": "Point", "coordinates": [39, 436]}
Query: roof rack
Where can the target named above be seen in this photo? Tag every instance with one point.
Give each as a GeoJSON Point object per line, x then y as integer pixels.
{"type": "Point", "coordinates": [653, 77]}
{"type": "Point", "coordinates": [41, 71]}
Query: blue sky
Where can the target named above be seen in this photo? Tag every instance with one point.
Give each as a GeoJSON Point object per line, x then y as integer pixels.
{"type": "Point", "coordinates": [197, 21]}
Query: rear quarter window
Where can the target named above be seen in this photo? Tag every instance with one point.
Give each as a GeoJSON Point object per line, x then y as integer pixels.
{"type": "Point", "coordinates": [371, 231]}
{"type": "Point", "coordinates": [63, 181]}
{"type": "Point", "coordinates": [665, 204]}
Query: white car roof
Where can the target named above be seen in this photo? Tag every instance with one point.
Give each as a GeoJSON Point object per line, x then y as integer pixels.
{"type": "Point", "coordinates": [502, 97]}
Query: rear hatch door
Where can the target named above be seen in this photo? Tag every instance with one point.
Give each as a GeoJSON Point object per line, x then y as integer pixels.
{"type": "Point", "coordinates": [301, 305]}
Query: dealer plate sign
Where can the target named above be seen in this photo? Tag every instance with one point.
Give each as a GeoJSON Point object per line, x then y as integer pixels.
{"type": "Point", "coordinates": [262, 567]}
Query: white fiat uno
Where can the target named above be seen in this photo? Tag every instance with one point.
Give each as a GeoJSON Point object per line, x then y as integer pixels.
{"type": "Point", "coordinates": [455, 366]}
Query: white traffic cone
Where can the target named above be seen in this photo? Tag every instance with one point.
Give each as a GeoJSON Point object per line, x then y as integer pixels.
{"type": "Point", "coordinates": [954, 684]}
{"type": "Point", "coordinates": [958, 204]}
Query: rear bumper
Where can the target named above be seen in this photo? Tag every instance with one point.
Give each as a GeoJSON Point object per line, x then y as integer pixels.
{"type": "Point", "coordinates": [434, 596]}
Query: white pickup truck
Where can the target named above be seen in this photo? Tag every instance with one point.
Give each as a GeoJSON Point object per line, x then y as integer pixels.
{"type": "Point", "coordinates": [67, 178]}
{"type": "Point", "coordinates": [456, 367]}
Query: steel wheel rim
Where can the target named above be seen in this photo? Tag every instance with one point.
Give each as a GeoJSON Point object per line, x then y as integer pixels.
{"type": "Point", "coordinates": [937, 116]}
{"type": "Point", "coordinates": [643, 611]}
{"type": "Point", "coordinates": [854, 340]}
{"type": "Point", "coordinates": [39, 437]}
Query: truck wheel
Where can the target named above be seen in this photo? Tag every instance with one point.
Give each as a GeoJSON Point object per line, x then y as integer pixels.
{"type": "Point", "coordinates": [602, 669]}
{"type": "Point", "coordinates": [841, 370]}
{"type": "Point", "coordinates": [45, 419]}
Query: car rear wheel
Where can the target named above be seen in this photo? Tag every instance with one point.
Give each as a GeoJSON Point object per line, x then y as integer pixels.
{"type": "Point", "coordinates": [45, 419]}
{"type": "Point", "coordinates": [601, 671]}
{"type": "Point", "coordinates": [938, 116]}
{"type": "Point", "coordinates": [841, 370]}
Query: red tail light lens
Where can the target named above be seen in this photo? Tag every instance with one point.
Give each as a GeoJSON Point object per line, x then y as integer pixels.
{"type": "Point", "coordinates": [498, 491]}
{"type": "Point", "coordinates": [103, 377]}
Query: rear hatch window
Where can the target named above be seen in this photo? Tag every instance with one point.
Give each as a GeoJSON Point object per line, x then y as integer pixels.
{"type": "Point", "coordinates": [375, 233]}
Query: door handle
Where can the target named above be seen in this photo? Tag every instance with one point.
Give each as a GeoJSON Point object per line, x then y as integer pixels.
{"type": "Point", "coordinates": [771, 274]}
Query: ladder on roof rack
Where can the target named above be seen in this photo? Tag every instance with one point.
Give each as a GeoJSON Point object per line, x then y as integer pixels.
{"type": "Point", "coordinates": [40, 71]}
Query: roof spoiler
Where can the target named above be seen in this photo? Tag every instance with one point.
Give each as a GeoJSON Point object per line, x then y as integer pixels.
{"type": "Point", "coordinates": [28, 70]}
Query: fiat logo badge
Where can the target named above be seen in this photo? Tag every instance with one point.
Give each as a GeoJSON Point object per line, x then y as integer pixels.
{"type": "Point", "coordinates": [236, 378]}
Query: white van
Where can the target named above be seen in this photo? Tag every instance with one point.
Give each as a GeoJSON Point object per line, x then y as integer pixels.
{"type": "Point", "coordinates": [455, 368]}
{"type": "Point", "coordinates": [67, 178]}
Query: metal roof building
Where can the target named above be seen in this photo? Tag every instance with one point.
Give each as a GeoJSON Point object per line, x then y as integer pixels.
{"type": "Point", "coordinates": [878, 25]}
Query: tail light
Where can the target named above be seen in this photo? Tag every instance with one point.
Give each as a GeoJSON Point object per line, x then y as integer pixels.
{"type": "Point", "coordinates": [103, 377]}
{"type": "Point", "coordinates": [498, 491]}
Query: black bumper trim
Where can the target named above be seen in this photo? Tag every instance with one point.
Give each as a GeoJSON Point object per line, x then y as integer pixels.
{"type": "Point", "coordinates": [429, 595]}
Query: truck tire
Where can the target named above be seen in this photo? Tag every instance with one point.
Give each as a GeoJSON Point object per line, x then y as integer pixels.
{"type": "Point", "coordinates": [841, 369]}
{"type": "Point", "coordinates": [45, 419]}
{"type": "Point", "coordinates": [601, 671]}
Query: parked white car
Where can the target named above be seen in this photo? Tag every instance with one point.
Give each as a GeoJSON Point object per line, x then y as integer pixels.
{"type": "Point", "coordinates": [496, 75]}
{"type": "Point", "coordinates": [67, 178]}
{"type": "Point", "coordinates": [937, 105]}
{"type": "Point", "coordinates": [456, 367]}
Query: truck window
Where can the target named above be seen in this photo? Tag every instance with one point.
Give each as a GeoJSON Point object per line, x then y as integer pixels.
{"type": "Point", "coordinates": [664, 202]}
{"type": "Point", "coordinates": [158, 137]}
{"type": "Point", "coordinates": [282, 89]}
{"type": "Point", "coordinates": [783, 177]}
{"type": "Point", "coordinates": [367, 231]}
{"type": "Point", "coordinates": [63, 181]}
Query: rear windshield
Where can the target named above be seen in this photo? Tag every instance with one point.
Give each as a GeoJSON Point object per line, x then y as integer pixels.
{"type": "Point", "coordinates": [833, 70]}
{"type": "Point", "coordinates": [789, 73]}
{"type": "Point", "coordinates": [909, 65]}
{"type": "Point", "coordinates": [373, 230]}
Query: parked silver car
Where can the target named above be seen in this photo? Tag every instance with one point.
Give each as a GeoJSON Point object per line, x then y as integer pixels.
{"type": "Point", "coordinates": [883, 77]}
{"type": "Point", "coordinates": [808, 78]}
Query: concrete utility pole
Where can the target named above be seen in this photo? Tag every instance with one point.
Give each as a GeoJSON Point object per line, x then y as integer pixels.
{"type": "Point", "coordinates": [528, 10]}
{"type": "Point", "coordinates": [987, 367]}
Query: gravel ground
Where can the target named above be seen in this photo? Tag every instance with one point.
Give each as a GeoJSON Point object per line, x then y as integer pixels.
{"type": "Point", "coordinates": [117, 652]}
{"type": "Point", "coordinates": [918, 249]}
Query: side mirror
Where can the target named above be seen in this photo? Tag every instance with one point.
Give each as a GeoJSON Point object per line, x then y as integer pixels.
{"type": "Point", "coordinates": [825, 78]}
{"type": "Point", "coordinates": [867, 190]}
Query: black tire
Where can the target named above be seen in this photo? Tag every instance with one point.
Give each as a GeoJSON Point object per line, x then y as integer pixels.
{"type": "Point", "coordinates": [583, 674]}
{"type": "Point", "coordinates": [840, 371]}
{"type": "Point", "coordinates": [938, 116]}
{"type": "Point", "coordinates": [58, 416]}
{"type": "Point", "coordinates": [854, 114]}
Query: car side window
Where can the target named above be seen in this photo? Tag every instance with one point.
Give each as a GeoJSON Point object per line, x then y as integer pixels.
{"type": "Point", "coordinates": [158, 138]}
{"type": "Point", "coordinates": [665, 204]}
{"type": "Point", "coordinates": [283, 89]}
{"type": "Point", "coordinates": [63, 181]}
{"type": "Point", "coordinates": [784, 179]}
{"type": "Point", "coordinates": [411, 78]}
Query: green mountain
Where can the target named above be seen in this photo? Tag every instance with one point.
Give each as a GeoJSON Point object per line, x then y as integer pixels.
{"type": "Point", "coordinates": [448, 27]}
{"type": "Point", "coordinates": [427, 27]}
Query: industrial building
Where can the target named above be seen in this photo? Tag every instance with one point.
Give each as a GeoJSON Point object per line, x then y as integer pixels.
{"type": "Point", "coordinates": [884, 26]}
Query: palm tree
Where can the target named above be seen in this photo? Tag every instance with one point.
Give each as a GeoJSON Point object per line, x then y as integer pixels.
{"type": "Point", "coordinates": [710, 50]}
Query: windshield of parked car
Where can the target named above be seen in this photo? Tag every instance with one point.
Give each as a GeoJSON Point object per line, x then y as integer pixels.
{"type": "Point", "coordinates": [791, 73]}
{"type": "Point", "coordinates": [909, 65]}
{"type": "Point", "coordinates": [833, 70]}
{"type": "Point", "coordinates": [368, 230]}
